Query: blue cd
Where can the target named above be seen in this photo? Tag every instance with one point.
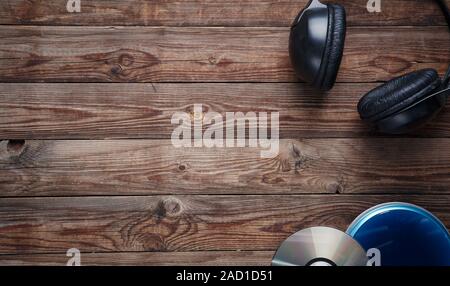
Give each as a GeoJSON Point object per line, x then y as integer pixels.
{"type": "Point", "coordinates": [405, 234]}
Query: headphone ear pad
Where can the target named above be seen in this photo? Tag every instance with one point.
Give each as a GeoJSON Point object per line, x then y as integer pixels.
{"type": "Point", "coordinates": [397, 94]}
{"type": "Point", "coordinates": [334, 47]}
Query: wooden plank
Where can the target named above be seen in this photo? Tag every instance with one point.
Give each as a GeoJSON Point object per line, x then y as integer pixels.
{"type": "Point", "coordinates": [195, 258]}
{"type": "Point", "coordinates": [161, 54]}
{"type": "Point", "coordinates": [122, 110]}
{"type": "Point", "coordinates": [142, 167]}
{"type": "Point", "coordinates": [181, 223]}
{"type": "Point", "coordinates": [208, 13]}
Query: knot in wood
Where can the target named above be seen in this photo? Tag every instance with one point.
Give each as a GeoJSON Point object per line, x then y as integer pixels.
{"type": "Point", "coordinates": [15, 146]}
{"type": "Point", "coordinates": [126, 60]}
{"type": "Point", "coordinates": [169, 207]}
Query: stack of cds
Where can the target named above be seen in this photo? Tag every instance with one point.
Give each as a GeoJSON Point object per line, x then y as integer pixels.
{"type": "Point", "coordinates": [401, 234]}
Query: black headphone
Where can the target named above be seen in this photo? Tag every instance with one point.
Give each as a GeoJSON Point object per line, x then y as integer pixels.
{"type": "Point", "coordinates": [316, 45]}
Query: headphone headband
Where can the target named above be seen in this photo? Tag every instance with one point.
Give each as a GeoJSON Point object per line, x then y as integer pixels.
{"type": "Point", "coordinates": [445, 10]}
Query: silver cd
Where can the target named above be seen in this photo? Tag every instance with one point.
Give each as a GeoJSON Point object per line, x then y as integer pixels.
{"type": "Point", "coordinates": [320, 246]}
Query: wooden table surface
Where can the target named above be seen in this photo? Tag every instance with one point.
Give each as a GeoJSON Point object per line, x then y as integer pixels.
{"type": "Point", "coordinates": [86, 159]}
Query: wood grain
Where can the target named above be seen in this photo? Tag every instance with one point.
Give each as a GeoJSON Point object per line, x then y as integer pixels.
{"type": "Point", "coordinates": [142, 167]}
{"type": "Point", "coordinates": [112, 77]}
{"type": "Point", "coordinates": [194, 258]}
{"type": "Point", "coordinates": [181, 223]}
{"type": "Point", "coordinates": [208, 54]}
{"type": "Point", "coordinates": [123, 110]}
{"type": "Point", "coordinates": [208, 13]}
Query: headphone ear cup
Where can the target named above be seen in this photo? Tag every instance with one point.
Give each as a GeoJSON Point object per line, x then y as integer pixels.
{"type": "Point", "coordinates": [397, 94]}
{"type": "Point", "coordinates": [334, 48]}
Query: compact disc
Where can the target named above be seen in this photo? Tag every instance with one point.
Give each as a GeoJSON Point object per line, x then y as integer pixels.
{"type": "Point", "coordinates": [404, 234]}
{"type": "Point", "coordinates": [320, 246]}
